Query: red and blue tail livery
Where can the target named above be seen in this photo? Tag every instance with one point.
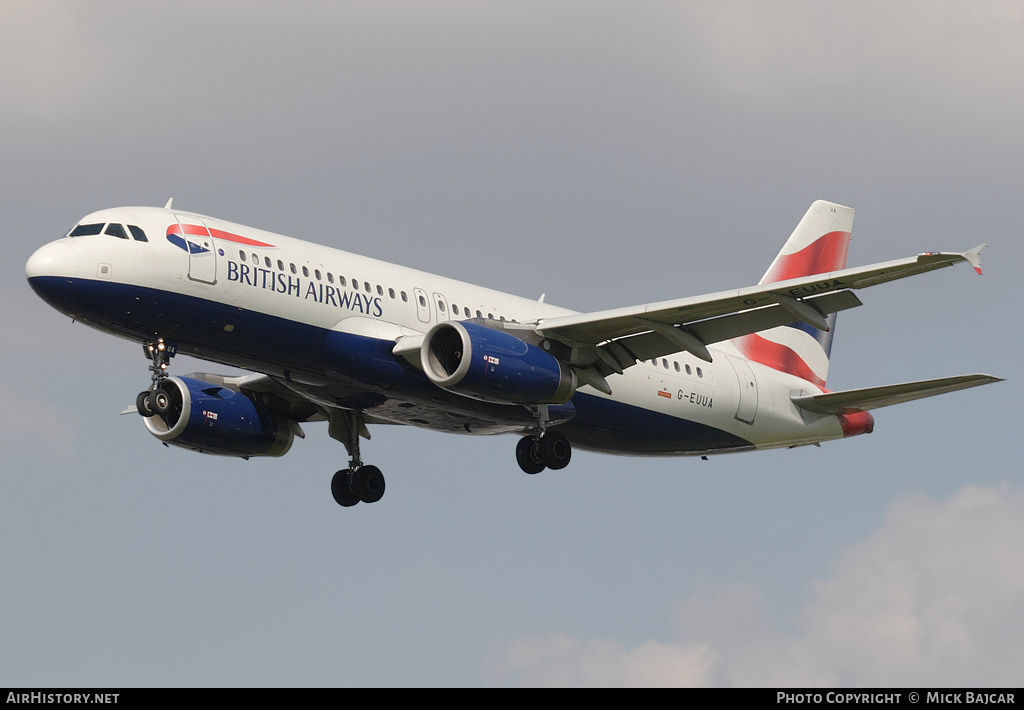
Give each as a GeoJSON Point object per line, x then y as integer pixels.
{"type": "Point", "coordinates": [335, 337]}
{"type": "Point", "coordinates": [818, 245]}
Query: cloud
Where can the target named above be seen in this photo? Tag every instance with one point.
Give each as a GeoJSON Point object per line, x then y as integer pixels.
{"type": "Point", "coordinates": [559, 660]}
{"type": "Point", "coordinates": [935, 597]}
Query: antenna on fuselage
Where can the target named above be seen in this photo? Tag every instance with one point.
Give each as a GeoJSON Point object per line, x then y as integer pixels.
{"type": "Point", "coordinates": [168, 205]}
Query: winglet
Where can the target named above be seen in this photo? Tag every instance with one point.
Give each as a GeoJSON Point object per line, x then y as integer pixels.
{"type": "Point", "coordinates": [973, 257]}
{"type": "Point", "coordinates": [168, 205]}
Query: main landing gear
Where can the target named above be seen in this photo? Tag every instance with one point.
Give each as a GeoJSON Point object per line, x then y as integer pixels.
{"type": "Point", "coordinates": [156, 399]}
{"type": "Point", "coordinates": [357, 482]}
{"type": "Point", "coordinates": [364, 483]}
{"type": "Point", "coordinates": [552, 450]}
{"type": "Point", "coordinates": [543, 449]}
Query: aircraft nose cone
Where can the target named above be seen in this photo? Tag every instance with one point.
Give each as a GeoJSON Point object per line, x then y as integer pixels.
{"type": "Point", "coordinates": [53, 259]}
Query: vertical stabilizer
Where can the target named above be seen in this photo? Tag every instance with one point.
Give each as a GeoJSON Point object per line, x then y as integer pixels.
{"type": "Point", "coordinates": [818, 245]}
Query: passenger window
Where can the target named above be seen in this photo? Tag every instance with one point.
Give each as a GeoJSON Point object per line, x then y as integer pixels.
{"type": "Point", "coordinates": [688, 371]}
{"type": "Point", "coordinates": [699, 373]}
{"type": "Point", "coordinates": [341, 281]}
{"type": "Point", "coordinates": [291, 267]}
{"type": "Point", "coordinates": [241, 255]}
{"type": "Point", "coordinates": [423, 301]}
{"type": "Point", "coordinates": [380, 291]}
{"type": "Point", "coordinates": [440, 306]}
{"type": "Point", "coordinates": [116, 230]}
{"type": "Point", "coordinates": [305, 271]}
{"type": "Point", "coordinates": [455, 309]}
{"type": "Point", "coordinates": [137, 232]}
{"type": "Point", "coordinates": [405, 298]}
{"type": "Point", "coordinates": [676, 364]}
{"type": "Point", "coordinates": [316, 272]}
{"type": "Point", "coordinates": [664, 363]}
{"type": "Point", "coordinates": [280, 265]}
{"type": "Point", "coordinates": [391, 292]}
{"type": "Point", "coordinates": [86, 230]}
{"type": "Point", "coordinates": [366, 284]}
{"type": "Point", "coordinates": [266, 260]}
{"type": "Point", "coordinates": [330, 277]}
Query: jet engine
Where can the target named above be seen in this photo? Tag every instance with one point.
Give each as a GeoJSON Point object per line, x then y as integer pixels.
{"type": "Point", "coordinates": [494, 366]}
{"type": "Point", "coordinates": [216, 419]}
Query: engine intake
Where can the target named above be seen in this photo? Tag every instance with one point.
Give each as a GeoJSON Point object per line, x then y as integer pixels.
{"type": "Point", "coordinates": [494, 366]}
{"type": "Point", "coordinates": [216, 419]}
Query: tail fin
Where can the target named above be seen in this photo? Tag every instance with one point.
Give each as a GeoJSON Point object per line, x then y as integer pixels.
{"type": "Point", "coordinates": [818, 245]}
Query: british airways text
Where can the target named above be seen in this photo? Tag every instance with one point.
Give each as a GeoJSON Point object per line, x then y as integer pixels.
{"type": "Point", "coordinates": [290, 285]}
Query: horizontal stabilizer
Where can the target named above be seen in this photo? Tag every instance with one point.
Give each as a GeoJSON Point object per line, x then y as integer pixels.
{"type": "Point", "coordinates": [861, 400]}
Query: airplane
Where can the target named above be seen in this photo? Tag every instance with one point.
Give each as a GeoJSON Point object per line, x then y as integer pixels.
{"type": "Point", "coordinates": [356, 342]}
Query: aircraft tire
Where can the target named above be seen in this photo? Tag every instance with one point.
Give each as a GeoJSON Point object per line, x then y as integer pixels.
{"type": "Point", "coordinates": [160, 401]}
{"type": "Point", "coordinates": [341, 489]}
{"type": "Point", "coordinates": [368, 484]}
{"type": "Point", "coordinates": [142, 404]}
{"type": "Point", "coordinates": [555, 450]}
{"type": "Point", "coordinates": [528, 455]}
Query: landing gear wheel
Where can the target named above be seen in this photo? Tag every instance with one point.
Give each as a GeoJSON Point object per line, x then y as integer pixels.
{"type": "Point", "coordinates": [142, 404]}
{"type": "Point", "coordinates": [341, 489]}
{"type": "Point", "coordinates": [555, 450]}
{"type": "Point", "coordinates": [160, 401]}
{"type": "Point", "coordinates": [368, 484]}
{"type": "Point", "coordinates": [528, 455]}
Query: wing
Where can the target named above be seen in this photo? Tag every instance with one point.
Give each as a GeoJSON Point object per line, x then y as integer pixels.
{"type": "Point", "coordinates": [275, 396]}
{"type": "Point", "coordinates": [605, 342]}
{"type": "Point", "coordinates": [284, 400]}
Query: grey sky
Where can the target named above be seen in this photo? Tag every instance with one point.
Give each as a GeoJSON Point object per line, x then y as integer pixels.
{"type": "Point", "coordinates": [604, 153]}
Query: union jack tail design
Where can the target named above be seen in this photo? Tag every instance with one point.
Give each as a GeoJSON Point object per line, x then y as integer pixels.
{"type": "Point", "coordinates": [818, 245]}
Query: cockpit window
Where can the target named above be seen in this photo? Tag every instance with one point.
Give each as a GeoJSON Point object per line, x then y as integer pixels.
{"type": "Point", "coordinates": [115, 230]}
{"type": "Point", "coordinates": [137, 232]}
{"type": "Point", "coordinates": [86, 230]}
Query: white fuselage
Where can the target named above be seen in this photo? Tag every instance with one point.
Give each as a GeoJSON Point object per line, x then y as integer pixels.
{"type": "Point", "coordinates": [211, 284]}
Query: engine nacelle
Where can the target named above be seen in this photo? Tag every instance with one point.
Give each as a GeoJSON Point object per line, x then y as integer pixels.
{"type": "Point", "coordinates": [493, 366]}
{"type": "Point", "coordinates": [215, 419]}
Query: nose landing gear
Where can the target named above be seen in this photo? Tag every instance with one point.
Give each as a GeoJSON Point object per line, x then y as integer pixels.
{"type": "Point", "coordinates": [156, 400]}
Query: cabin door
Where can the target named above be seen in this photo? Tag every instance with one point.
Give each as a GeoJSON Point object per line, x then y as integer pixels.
{"type": "Point", "coordinates": [202, 252]}
{"type": "Point", "coordinates": [746, 408]}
